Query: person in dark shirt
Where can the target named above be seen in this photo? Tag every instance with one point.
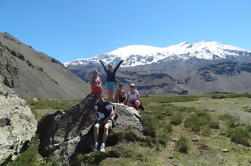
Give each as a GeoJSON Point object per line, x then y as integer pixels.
{"type": "Point", "coordinates": [105, 119]}
{"type": "Point", "coordinates": [110, 78]}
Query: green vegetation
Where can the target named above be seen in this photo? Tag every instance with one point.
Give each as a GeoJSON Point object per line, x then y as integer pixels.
{"type": "Point", "coordinates": [182, 145]}
{"type": "Point", "coordinates": [41, 108]}
{"type": "Point", "coordinates": [231, 95]}
{"type": "Point", "coordinates": [169, 99]}
{"type": "Point", "coordinates": [53, 104]}
{"type": "Point", "coordinates": [176, 119]}
{"type": "Point", "coordinates": [178, 130]}
{"type": "Point", "coordinates": [197, 121]}
{"type": "Point", "coordinates": [239, 135]}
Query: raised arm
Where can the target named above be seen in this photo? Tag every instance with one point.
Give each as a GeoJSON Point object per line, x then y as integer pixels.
{"type": "Point", "coordinates": [103, 65]}
{"type": "Point", "coordinates": [116, 68]}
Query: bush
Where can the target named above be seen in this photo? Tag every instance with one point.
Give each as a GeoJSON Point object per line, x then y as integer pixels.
{"type": "Point", "coordinates": [222, 96]}
{"type": "Point", "coordinates": [124, 135]}
{"type": "Point", "coordinates": [225, 117]}
{"type": "Point", "coordinates": [150, 125]}
{"type": "Point", "coordinates": [206, 131]}
{"type": "Point", "coordinates": [176, 119]}
{"type": "Point", "coordinates": [169, 99]}
{"type": "Point", "coordinates": [197, 121]}
{"type": "Point", "coordinates": [214, 125]}
{"type": "Point", "coordinates": [182, 145]}
{"type": "Point", "coordinates": [232, 122]}
{"type": "Point", "coordinates": [157, 129]}
{"type": "Point", "coordinates": [239, 135]}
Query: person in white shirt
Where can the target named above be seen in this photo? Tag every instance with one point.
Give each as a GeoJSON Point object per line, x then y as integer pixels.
{"type": "Point", "coordinates": [133, 97]}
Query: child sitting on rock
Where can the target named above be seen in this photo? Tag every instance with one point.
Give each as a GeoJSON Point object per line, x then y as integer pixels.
{"type": "Point", "coordinates": [120, 95]}
{"type": "Point", "coordinates": [133, 97]}
{"type": "Point", "coordinates": [105, 120]}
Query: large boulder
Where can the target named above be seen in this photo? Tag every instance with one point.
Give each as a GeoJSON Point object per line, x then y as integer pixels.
{"type": "Point", "coordinates": [17, 124]}
{"type": "Point", "coordinates": [65, 132]}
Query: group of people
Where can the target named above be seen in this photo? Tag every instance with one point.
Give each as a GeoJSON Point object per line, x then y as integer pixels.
{"type": "Point", "coordinates": [105, 109]}
{"type": "Point", "coordinates": [131, 98]}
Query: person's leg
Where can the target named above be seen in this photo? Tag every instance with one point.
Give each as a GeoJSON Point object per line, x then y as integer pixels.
{"type": "Point", "coordinates": [110, 92]}
{"type": "Point", "coordinates": [112, 99]}
{"type": "Point", "coordinates": [129, 104]}
{"type": "Point", "coordinates": [96, 133]}
{"type": "Point", "coordinates": [106, 131]}
{"type": "Point", "coordinates": [105, 135]}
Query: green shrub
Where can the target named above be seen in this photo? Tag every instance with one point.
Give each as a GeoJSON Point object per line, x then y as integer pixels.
{"type": "Point", "coordinates": [247, 108]}
{"type": "Point", "coordinates": [206, 131]}
{"type": "Point", "coordinates": [150, 125]}
{"type": "Point", "coordinates": [176, 119]}
{"type": "Point", "coordinates": [55, 104]}
{"type": "Point", "coordinates": [232, 122]}
{"type": "Point", "coordinates": [225, 117]}
{"type": "Point", "coordinates": [239, 135]}
{"type": "Point", "coordinates": [222, 96]}
{"type": "Point", "coordinates": [219, 96]}
{"type": "Point", "coordinates": [169, 99]}
{"type": "Point", "coordinates": [132, 151]}
{"type": "Point", "coordinates": [157, 129]}
{"type": "Point", "coordinates": [248, 128]}
{"type": "Point", "coordinates": [182, 145]}
{"type": "Point", "coordinates": [124, 135]}
{"type": "Point", "coordinates": [214, 125]}
{"type": "Point", "coordinates": [197, 121]}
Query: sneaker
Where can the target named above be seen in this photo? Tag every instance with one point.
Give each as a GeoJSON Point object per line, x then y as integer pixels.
{"type": "Point", "coordinates": [102, 147]}
{"type": "Point", "coordinates": [96, 146]}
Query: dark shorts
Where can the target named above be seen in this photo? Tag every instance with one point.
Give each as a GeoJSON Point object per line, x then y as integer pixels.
{"type": "Point", "coordinates": [101, 123]}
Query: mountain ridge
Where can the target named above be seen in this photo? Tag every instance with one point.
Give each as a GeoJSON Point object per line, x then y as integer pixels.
{"type": "Point", "coordinates": [135, 55]}
{"type": "Point", "coordinates": [203, 67]}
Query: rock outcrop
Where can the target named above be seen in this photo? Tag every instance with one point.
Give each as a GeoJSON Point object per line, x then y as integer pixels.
{"type": "Point", "coordinates": [66, 132]}
{"type": "Point", "coordinates": [17, 124]}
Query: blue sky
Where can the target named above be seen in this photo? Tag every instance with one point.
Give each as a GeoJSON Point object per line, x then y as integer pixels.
{"type": "Point", "coordinates": [74, 29]}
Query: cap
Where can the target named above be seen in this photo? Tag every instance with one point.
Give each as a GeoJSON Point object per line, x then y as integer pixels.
{"type": "Point", "coordinates": [95, 71]}
{"type": "Point", "coordinates": [132, 84]}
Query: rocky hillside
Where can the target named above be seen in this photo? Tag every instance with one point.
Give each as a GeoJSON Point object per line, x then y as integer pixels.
{"type": "Point", "coordinates": [17, 125]}
{"type": "Point", "coordinates": [203, 67]}
{"type": "Point", "coordinates": [34, 74]}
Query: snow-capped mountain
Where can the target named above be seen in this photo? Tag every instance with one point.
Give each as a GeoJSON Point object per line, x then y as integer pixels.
{"type": "Point", "coordinates": [135, 55]}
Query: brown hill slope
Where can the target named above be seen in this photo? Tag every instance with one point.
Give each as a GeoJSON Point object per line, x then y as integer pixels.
{"type": "Point", "coordinates": [34, 74]}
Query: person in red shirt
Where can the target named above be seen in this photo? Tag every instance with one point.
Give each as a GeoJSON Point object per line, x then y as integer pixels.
{"type": "Point", "coordinates": [96, 84]}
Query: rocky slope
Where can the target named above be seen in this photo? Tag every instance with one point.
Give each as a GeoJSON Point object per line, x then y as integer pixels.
{"type": "Point", "coordinates": [17, 124]}
{"type": "Point", "coordinates": [203, 67]}
{"type": "Point", "coordinates": [67, 132]}
{"type": "Point", "coordinates": [34, 74]}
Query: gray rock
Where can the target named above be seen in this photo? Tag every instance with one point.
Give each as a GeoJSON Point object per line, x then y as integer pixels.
{"type": "Point", "coordinates": [17, 124]}
{"type": "Point", "coordinates": [65, 132]}
{"type": "Point", "coordinates": [225, 150]}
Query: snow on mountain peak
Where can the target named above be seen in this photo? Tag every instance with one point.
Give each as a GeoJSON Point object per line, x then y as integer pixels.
{"type": "Point", "coordinates": [135, 55]}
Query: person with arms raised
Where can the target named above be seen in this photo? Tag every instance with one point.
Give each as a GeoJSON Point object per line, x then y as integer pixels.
{"type": "Point", "coordinates": [110, 78]}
